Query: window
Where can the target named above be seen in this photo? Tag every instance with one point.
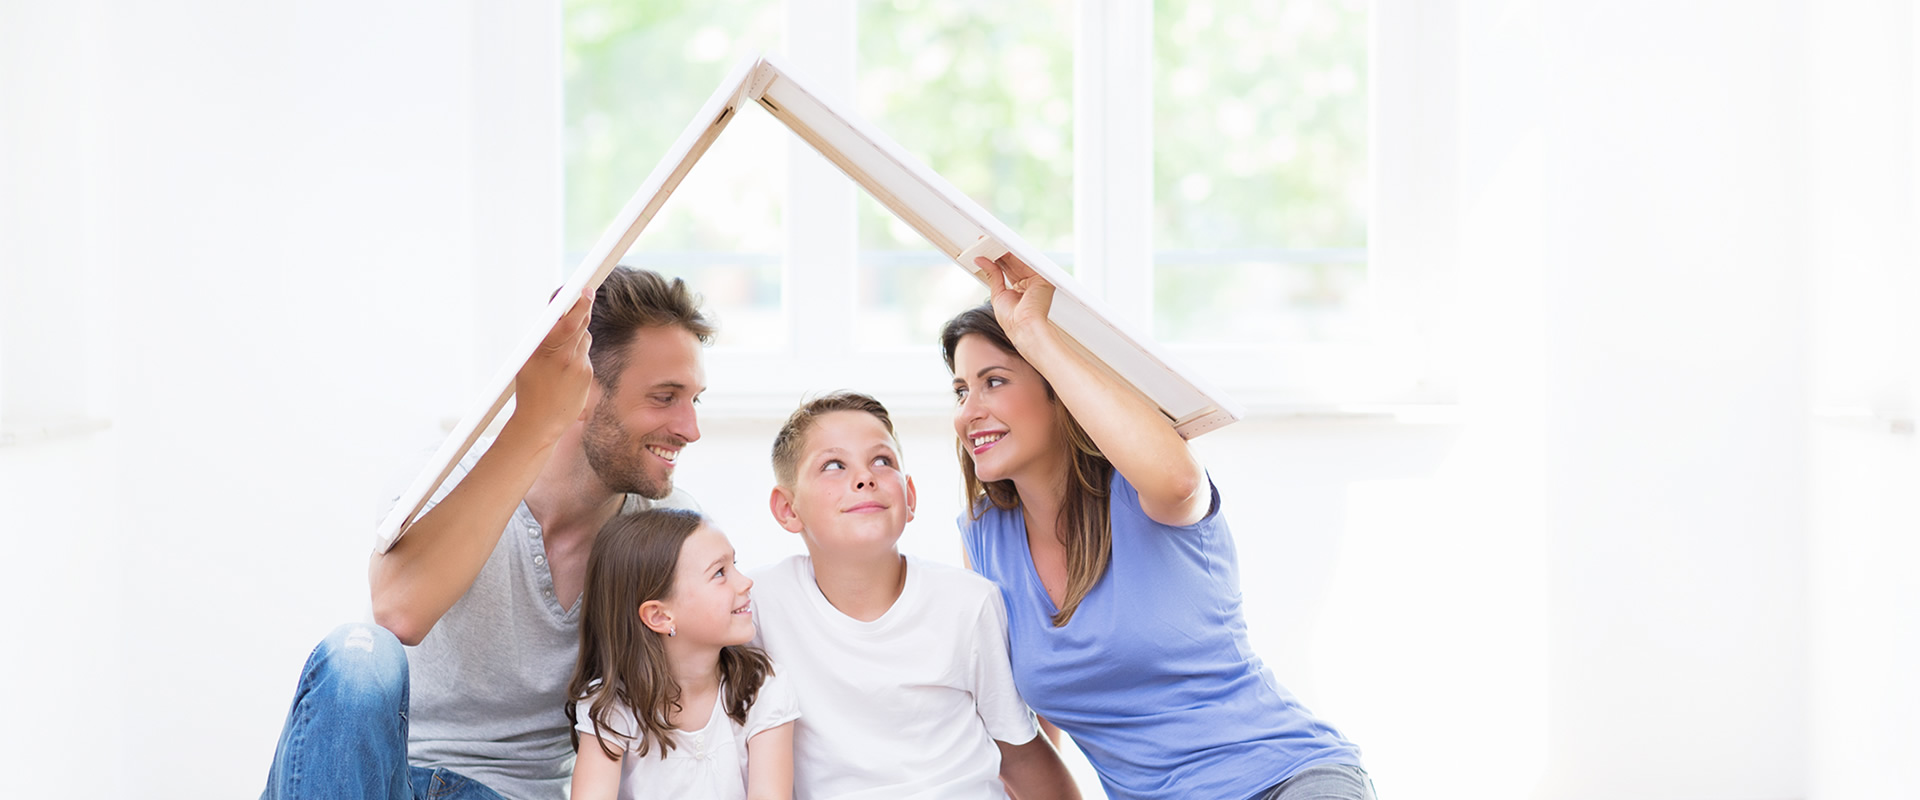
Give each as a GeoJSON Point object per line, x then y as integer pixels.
{"type": "Point", "coordinates": [1259, 170]}
{"type": "Point", "coordinates": [635, 75]}
{"type": "Point", "coordinates": [1205, 167]}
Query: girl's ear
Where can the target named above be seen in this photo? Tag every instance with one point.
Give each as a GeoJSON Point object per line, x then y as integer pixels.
{"type": "Point", "coordinates": [781, 503]}
{"type": "Point", "coordinates": [656, 617]}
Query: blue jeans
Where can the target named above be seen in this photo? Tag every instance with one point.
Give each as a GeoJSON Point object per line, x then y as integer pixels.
{"type": "Point", "coordinates": [346, 735]}
{"type": "Point", "coordinates": [1324, 782]}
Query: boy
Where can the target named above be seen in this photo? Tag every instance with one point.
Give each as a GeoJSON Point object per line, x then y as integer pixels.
{"type": "Point", "coordinates": [900, 664]}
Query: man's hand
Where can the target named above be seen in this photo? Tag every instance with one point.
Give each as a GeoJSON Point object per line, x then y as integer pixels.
{"type": "Point", "coordinates": [551, 388]}
{"type": "Point", "coordinates": [429, 569]}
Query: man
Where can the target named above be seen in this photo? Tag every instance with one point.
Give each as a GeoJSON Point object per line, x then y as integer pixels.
{"type": "Point", "coordinates": [484, 588]}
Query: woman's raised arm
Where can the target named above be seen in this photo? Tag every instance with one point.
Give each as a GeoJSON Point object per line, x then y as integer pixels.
{"type": "Point", "coordinates": [1130, 431]}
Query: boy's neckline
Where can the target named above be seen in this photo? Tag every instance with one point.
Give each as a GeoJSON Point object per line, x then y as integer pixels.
{"type": "Point", "coordinates": [857, 595]}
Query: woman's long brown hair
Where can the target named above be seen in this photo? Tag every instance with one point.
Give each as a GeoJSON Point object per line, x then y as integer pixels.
{"type": "Point", "coordinates": [1084, 525]}
{"type": "Point", "coordinates": [633, 561]}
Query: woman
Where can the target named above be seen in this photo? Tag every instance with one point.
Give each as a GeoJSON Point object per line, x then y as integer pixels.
{"type": "Point", "coordinates": [1121, 585]}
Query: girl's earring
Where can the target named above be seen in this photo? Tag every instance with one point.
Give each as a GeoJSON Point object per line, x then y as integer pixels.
{"type": "Point", "coordinates": [669, 630]}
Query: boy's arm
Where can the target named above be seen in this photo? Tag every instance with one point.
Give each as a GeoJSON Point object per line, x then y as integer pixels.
{"type": "Point", "coordinates": [595, 776]}
{"type": "Point", "coordinates": [427, 570]}
{"type": "Point", "coordinates": [1034, 771]}
{"type": "Point", "coordinates": [770, 764]}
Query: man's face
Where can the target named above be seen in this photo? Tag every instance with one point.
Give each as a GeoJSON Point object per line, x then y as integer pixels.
{"type": "Point", "coordinates": [636, 430]}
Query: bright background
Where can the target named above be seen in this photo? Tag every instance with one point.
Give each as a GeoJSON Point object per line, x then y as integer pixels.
{"type": "Point", "coordinates": [1582, 459]}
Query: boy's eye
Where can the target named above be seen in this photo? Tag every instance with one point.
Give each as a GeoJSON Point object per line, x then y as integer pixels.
{"type": "Point", "coordinates": [832, 465]}
{"type": "Point", "coordinates": [883, 460]}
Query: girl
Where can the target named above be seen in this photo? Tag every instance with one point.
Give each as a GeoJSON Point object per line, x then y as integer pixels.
{"type": "Point", "coordinates": [1122, 591]}
{"type": "Point", "coordinates": [669, 701]}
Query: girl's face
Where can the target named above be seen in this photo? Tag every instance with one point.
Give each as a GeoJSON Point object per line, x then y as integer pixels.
{"type": "Point", "coordinates": [1003, 414]}
{"type": "Point", "coordinates": [709, 603]}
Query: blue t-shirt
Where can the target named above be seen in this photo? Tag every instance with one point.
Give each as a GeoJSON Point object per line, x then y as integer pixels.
{"type": "Point", "coordinates": [1153, 677]}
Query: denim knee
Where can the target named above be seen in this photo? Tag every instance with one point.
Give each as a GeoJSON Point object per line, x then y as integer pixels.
{"type": "Point", "coordinates": [348, 723]}
{"type": "Point", "coordinates": [360, 663]}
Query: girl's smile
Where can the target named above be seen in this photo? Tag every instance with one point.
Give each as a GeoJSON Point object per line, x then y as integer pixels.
{"type": "Point", "coordinates": [711, 603]}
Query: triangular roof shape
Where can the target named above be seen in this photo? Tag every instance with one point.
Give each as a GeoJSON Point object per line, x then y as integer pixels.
{"type": "Point", "coordinates": [948, 219]}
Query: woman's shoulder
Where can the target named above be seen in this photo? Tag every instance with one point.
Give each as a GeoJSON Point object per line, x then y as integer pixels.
{"type": "Point", "coordinates": [982, 511]}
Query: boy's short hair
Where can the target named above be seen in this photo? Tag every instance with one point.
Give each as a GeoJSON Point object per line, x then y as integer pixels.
{"type": "Point", "coordinates": [786, 444]}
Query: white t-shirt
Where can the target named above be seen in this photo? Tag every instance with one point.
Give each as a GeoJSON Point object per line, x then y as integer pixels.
{"type": "Point", "coordinates": [710, 763]}
{"type": "Point", "coordinates": [905, 706]}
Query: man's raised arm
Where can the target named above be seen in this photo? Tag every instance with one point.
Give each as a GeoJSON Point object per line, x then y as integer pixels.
{"type": "Point", "coordinates": [441, 553]}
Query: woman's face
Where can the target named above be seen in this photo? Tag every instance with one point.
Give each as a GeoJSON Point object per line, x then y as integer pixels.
{"type": "Point", "coordinates": [1003, 413]}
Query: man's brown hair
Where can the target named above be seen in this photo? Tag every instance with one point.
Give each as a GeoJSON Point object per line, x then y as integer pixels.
{"type": "Point", "coordinates": [632, 299]}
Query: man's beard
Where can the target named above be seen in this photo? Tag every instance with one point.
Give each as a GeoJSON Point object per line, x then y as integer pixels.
{"type": "Point", "coordinates": [621, 463]}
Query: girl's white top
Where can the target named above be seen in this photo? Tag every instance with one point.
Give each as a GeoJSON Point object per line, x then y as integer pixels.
{"type": "Point", "coordinates": [707, 763]}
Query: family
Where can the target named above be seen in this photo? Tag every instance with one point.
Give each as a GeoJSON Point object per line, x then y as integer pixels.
{"type": "Point", "coordinates": [561, 623]}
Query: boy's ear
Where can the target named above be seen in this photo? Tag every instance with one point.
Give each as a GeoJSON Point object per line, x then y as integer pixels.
{"type": "Point", "coordinates": [913, 498]}
{"type": "Point", "coordinates": [656, 617]}
{"type": "Point", "coordinates": [781, 504]}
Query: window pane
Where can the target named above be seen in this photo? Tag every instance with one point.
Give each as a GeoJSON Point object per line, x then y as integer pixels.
{"type": "Point", "coordinates": [636, 73]}
{"type": "Point", "coordinates": [983, 93]}
{"type": "Point", "coordinates": [1260, 169]}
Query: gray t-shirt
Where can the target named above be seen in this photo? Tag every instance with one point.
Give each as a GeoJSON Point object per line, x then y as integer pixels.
{"type": "Point", "coordinates": [489, 682]}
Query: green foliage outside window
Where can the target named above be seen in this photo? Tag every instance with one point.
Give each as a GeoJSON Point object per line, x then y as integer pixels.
{"type": "Point", "coordinates": [1260, 138]}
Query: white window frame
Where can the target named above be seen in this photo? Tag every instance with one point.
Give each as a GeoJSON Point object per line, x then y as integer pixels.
{"type": "Point", "coordinates": [1409, 255]}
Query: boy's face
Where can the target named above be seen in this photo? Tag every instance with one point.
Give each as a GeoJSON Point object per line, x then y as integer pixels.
{"type": "Point", "coordinates": [849, 494]}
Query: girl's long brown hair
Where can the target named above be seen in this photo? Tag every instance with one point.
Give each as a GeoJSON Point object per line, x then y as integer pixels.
{"type": "Point", "coordinates": [1084, 525]}
{"type": "Point", "coordinates": [633, 561]}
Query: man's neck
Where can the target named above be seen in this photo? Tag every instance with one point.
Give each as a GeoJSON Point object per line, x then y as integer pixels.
{"type": "Point", "coordinates": [569, 499]}
{"type": "Point", "coordinates": [862, 587]}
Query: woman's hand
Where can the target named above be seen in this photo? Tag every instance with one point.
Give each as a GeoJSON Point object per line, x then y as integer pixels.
{"type": "Point", "coordinates": [1127, 427]}
{"type": "Point", "coordinates": [1021, 297]}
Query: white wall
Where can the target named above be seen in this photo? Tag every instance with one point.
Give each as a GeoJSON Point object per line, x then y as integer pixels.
{"type": "Point", "coordinates": [273, 229]}
{"type": "Point", "coordinates": [1865, 645]}
{"type": "Point", "coordinates": [1629, 564]}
